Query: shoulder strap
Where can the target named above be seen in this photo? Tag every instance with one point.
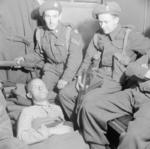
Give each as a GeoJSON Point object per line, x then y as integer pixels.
{"type": "Point", "coordinates": [38, 34]}
{"type": "Point", "coordinates": [128, 30]}
{"type": "Point", "coordinates": [68, 35]}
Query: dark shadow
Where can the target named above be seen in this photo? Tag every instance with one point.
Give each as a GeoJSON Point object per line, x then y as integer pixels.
{"type": "Point", "coordinates": [147, 32]}
{"type": "Point", "coordinates": [36, 16]}
{"type": "Point", "coordinates": [87, 30]}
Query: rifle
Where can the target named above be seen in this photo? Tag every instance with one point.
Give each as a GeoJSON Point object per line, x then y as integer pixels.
{"type": "Point", "coordinates": [11, 64]}
{"type": "Point", "coordinates": [86, 78]}
{"type": "Point", "coordinates": [32, 67]}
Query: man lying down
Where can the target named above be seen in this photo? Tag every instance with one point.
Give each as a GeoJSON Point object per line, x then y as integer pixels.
{"type": "Point", "coordinates": [43, 124]}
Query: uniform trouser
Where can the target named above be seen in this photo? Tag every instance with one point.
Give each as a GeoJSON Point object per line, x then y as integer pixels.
{"type": "Point", "coordinates": [52, 74]}
{"type": "Point", "coordinates": [67, 96]}
{"type": "Point", "coordinates": [98, 109]}
{"type": "Point", "coordinates": [13, 143]}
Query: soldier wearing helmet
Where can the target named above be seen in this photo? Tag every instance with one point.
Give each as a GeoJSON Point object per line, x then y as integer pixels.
{"type": "Point", "coordinates": [110, 51]}
{"type": "Point", "coordinates": [58, 45]}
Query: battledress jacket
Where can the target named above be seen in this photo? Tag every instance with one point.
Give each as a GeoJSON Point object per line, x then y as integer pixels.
{"type": "Point", "coordinates": [54, 50]}
{"type": "Point", "coordinates": [103, 47]}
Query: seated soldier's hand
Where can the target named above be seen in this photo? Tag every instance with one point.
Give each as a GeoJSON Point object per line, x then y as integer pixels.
{"type": "Point", "coordinates": [122, 58]}
{"type": "Point", "coordinates": [79, 83]}
{"type": "Point", "coordinates": [144, 66]}
{"type": "Point", "coordinates": [19, 61]}
{"type": "Point", "coordinates": [147, 75]}
{"type": "Point", "coordinates": [61, 84]}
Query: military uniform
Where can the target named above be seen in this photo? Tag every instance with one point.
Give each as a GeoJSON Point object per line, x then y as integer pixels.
{"type": "Point", "coordinates": [102, 49]}
{"type": "Point", "coordinates": [60, 49]}
{"type": "Point", "coordinates": [60, 61]}
{"type": "Point", "coordinates": [7, 141]}
{"type": "Point", "coordinates": [95, 115]}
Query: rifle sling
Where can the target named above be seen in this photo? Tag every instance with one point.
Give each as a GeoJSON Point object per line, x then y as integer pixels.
{"type": "Point", "coordinates": [128, 30]}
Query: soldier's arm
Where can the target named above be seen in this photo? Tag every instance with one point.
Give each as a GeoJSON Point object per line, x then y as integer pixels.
{"type": "Point", "coordinates": [37, 54]}
{"type": "Point", "coordinates": [141, 71]}
{"type": "Point", "coordinates": [139, 68]}
{"type": "Point", "coordinates": [74, 56]}
{"type": "Point", "coordinates": [34, 57]}
{"type": "Point", "coordinates": [139, 43]}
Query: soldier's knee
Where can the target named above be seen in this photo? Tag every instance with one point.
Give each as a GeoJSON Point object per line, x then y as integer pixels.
{"type": "Point", "coordinates": [134, 134]}
{"type": "Point", "coordinates": [90, 102]}
{"type": "Point", "coordinates": [63, 93]}
{"type": "Point", "coordinates": [88, 99]}
{"type": "Point", "coordinates": [61, 96]}
{"type": "Point", "coordinates": [88, 105]}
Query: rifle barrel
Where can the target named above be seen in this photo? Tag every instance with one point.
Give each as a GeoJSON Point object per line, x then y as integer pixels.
{"type": "Point", "coordinates": [13, 64]}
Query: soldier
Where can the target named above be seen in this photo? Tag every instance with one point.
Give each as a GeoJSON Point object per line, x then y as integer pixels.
{"type": "Point", "coordinates": [34, 120]}
{"type": "Point", "coordinates": [135, 101]}
{"type": "Point", "coordinates": [58, 45]}
{"type": "Point", "coordinates": [7, 141]}
{"type": "Point", "coordinates": [115, 45]}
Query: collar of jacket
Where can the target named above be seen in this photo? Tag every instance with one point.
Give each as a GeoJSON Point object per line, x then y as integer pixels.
{"type": "Point", "coordinates": [113, 34]}
{"type": "Point", "coordinates": [58, 31]}
{"type": "Point", "coordinates": [41, 103]}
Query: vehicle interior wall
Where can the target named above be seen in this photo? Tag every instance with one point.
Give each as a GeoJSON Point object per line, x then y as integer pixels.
{"type": "Point", "coordinates": [79, 14]}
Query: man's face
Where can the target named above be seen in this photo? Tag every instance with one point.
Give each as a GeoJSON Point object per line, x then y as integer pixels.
{"type": "Point", "coordinates": [38, 90]}
{"type": "Point", "coordinates": [51, 18]}
{"type": "Point", "coordinates": [108, 22]}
